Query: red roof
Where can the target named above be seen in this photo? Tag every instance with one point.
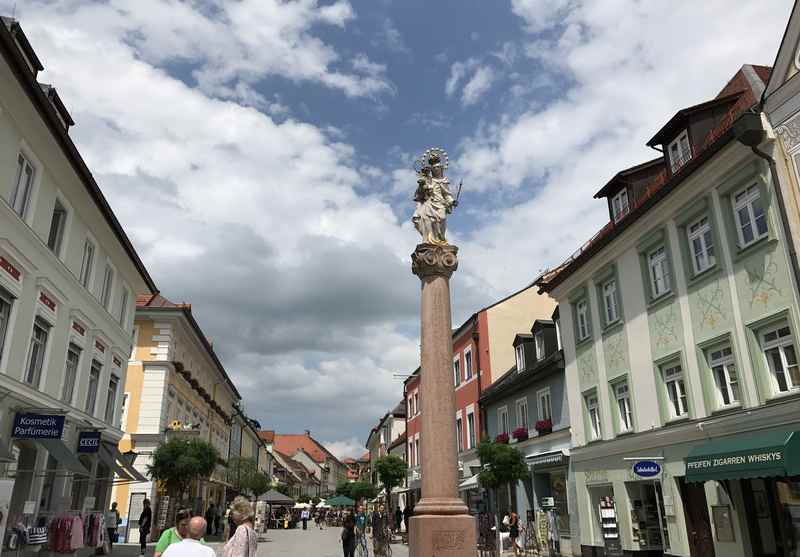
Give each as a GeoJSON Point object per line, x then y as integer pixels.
{"type": "Point", "coordinates": [267, 435]}
{"type": "Point", "coordinates": [290, 443]}
{"type": "Point", "coordinates": [158, 301]}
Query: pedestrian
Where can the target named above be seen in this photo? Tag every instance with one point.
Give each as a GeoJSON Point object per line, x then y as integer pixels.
{"type": "Point", "coordinates": [380, 525]}
{"type": "Point", "coordinates": [398, 519]}
{"type": "Point", "coordinates": [348, 536]}
{"type": "Point", "coordinates": [513, 532]}
{"type": "Point", "coordinates": [361, 529]}
{"type": "Point", "coordinates": [112, 522]}
{"type": "Point", "coordinates": [406, 516]}
{"type": "Point", "coordinates": [176, 533]}
{"type": "Point", "coordinates": [304, 518]}
{"type": "Point", "coordinates": [191, 545]}
{"type": "Point", "coordinates": [217, 515]}
{"type": "Point", "coordinates": [145, 522]}
{"type": "Point", "coordinates": [210, 520]}
{"type": "Point", "coordinates": [231, 523]}
{"type": "Point", "coordinates": [244, 542]}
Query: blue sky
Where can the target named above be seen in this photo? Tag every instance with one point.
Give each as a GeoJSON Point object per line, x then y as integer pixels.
{"type": "Point", "coordinates": [259, 154]}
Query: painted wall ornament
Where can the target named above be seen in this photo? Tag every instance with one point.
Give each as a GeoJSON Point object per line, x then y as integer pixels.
{"type": "Point", "coordinates": [711, 301]}
{"type": "Point", "coordinates": [433, 197]}
{"type": "Point", "coordinates": [763, 280]}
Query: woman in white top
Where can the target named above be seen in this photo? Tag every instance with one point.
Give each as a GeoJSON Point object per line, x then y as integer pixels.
{"type": "Point", "coordinates": [244, 542]}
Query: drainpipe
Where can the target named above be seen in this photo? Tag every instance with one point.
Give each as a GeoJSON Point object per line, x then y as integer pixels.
{"type": "Point", "coordinates": [750, 133]}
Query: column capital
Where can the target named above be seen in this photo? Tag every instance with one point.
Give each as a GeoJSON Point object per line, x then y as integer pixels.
{"type": "Point", "coordinates": [430, 260]}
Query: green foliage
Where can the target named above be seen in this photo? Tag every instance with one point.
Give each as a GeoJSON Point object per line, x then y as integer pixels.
{"type": "Point", "coordinates": [357, 490]}
{"type": "Point", "coordinates": [391, 471]}
{"type": "Point", "coordinates": [315, 500]}
{"type": "Point", "coordinates": [501, 464]}
{"type": "Point", "coordinates": [284, 489]}
{"type": "Point", "coordinates": [180, 461]}
{"type": "Point", "coordinates": [259, 484]}
{"type": "Point", "coordinates": [304, 499]}
{"type": "Point", "coordinates": [241, 472]}
{"type": "Point", "coordinates": [343, 488]}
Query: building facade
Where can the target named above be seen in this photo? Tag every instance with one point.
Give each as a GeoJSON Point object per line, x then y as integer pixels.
{"type": "Point", "coordinates": [176, 384]}
{"type": "Point", "coordinates": [391, 426]}
{"type": "Point", "coordinates": [68, 278]}
{"type": "Point", "coordinates": [679, 321]}
{"type": "Point", "coordinates": [328, 470]}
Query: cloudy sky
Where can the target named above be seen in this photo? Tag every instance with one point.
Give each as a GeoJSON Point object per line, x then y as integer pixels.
{"type": "Point", "coordinates": [259, 154]}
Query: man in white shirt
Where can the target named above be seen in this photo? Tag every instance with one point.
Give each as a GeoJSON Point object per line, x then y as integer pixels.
{"type": "Point", "coordinates": [190, 546]}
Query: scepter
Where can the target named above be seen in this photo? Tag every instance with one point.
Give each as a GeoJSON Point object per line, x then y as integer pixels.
{"type": "Point", "coordinates": [458, 194]}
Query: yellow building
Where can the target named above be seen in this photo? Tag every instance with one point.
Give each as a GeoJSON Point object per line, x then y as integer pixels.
{"type": "Point", "coordinates": [175, 384]}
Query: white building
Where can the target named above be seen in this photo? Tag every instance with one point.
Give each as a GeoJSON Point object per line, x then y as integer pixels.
{"type": "Point", "coordinates": [68, 282]}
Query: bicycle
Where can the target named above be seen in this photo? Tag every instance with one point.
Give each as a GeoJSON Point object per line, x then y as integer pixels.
{"type": "Point", "coordinates": [382, 543]}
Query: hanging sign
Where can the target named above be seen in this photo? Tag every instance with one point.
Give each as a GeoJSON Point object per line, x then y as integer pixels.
{"type": "Point", "coordinates": [89, 442]}
{"type": "Point", "coordinates": [646, 468]}
{"type": "Point", "coordinates": [37, 426]}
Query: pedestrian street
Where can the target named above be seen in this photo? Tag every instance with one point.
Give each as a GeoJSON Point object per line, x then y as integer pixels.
{"type": "Point", "coordinates": [310, 543]}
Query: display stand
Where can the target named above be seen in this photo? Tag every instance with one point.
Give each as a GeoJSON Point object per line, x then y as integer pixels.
{"type": "Point", "coordinates": [610, 527]}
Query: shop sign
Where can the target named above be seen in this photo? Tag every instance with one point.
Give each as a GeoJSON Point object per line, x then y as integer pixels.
{"type": "Point", "coordinates": [646, 468]}
{"type": "Point", "coordinates": [89, 442]}
{"type": "Point", "coordinates": [37, 426]}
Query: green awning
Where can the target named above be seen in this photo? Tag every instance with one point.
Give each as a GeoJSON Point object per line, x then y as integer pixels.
{"type": "Point", "coordinates": [773, 453]}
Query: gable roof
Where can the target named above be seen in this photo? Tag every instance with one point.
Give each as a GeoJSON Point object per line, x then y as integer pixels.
{"type": "Point", "coordinates": [401, 439]}
{"type": "Point", "coordinates": [784, 58]}
{"type": "Point", "coordinates": [267, 435]}
{"type": "Point", "coordinates": [290, 443]}
{"type": "Point", "coordinates": [622, 175]}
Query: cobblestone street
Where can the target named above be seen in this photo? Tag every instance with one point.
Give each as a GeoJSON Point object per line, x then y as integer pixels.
{"type": "Point", "coordinates": [310, 543]}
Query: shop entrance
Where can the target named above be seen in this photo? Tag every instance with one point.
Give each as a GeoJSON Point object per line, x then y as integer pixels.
{"type": "Point", "coordinates": [774, 515]}
{"type": "Point", "coordinates": [648, 519]}
{"type": "Point", "coordinates": [698, 525]}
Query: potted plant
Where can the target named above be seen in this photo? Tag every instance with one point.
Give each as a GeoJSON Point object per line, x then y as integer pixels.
{"type": "Point", "coordinates": [502, 438]}
{"type": "Point", "coordinates": [543, 427]}
{"type": "Point", "coordinates": [520, 434]}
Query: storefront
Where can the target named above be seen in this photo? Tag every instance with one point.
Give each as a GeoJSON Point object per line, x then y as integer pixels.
{"type": "Point", "coordinates": [549, 491]}
{"type": "Point", "coordinates": [762, 472]}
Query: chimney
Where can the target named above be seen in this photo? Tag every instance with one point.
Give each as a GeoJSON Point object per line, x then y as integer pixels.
{"type": "Point", "coordinates": [308, 433]}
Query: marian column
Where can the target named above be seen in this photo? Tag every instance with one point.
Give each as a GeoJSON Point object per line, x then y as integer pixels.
{"type": "Point", "coordinates": [441, 525]}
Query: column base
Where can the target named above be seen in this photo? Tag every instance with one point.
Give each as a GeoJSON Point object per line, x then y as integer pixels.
{"type": "Point", "coordinates": [442, 536]}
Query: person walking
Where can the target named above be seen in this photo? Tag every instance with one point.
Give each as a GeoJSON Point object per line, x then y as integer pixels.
{"type": "Point", "coordinates": [398, 519]}
{"type": "Point", "coordinates": [380, 525]}
{"type": "Point", "coordinates": [349, 536]}
{"type": "Point", "coordinates": [513, 532]}
{"type": "Point", "coordinates": [112, 522]}
{"type": "Point", "coordinates": [217, 516]}
{"type": "Point", "coordinates": [210, 520]}
{"type": "Point", "coordinates": [406, 516]}
{"type": "Point", "coordinates": [191, 545]}
{"type": "Point", "coordinates": [145, 522]}
{"type": "Point", "coordinates": [244, 542]}
{"type": "Point", "coordinates": [304, 517]}
{"type": "Point", "coordinates": [176, 533]}
{"type": "Point", "coordinates": [361, 529]}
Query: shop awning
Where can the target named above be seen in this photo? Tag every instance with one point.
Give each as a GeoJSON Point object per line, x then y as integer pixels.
{"type": "Point", "coordinates": [105, 455]}
{"type": "Point", "coordinates": [554, 458]}
{"type": "Point", "coordinates": [469, 483]}
{"type": "Point", "coordinates": [773, 453]}
{"type": "Point", "coordinates": [65, 457]}
{"type": "Point", "coordinates": [128, 470]}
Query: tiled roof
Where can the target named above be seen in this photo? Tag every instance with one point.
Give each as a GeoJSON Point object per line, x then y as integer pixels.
{"type": "Point", "coordinates": [158, 301]}
{"type": "Point", "coordinates": [399, 441]}
{"type": "Point", "coordinates": [292, 442]}
{"type": "Point", "coordinates": [267, 435]}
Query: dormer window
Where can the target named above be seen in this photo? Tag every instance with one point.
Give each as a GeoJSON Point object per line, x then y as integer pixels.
{"type": "Point", "coordinates": [680, 151]}
{"type": "Point", "coordinates": [520, 351]}
{"type": "Point", "coordinates": [619, 205]}
{"type": "Point", "coordinates": [539, 345]}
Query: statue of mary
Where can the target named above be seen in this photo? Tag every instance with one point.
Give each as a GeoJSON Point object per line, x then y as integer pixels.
{"type": "Point", "coordinates": [434, 200]}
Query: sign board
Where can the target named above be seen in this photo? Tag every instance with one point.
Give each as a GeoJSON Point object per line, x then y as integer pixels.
{"type": "Point", "coordinates": [89, 442]}
{"type": "Point", "coordinates": [646, 468]}
{"type": "Point", "coordinates": [29, 507]}
{"type": "Point", "coordinates": [37, 426]}
{"type": "Point", "coordinates": [547, 502]}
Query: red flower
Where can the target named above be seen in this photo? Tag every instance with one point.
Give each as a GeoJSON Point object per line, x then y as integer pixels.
{"type": "Point", "coordinates": [542, 425]}
{"type": "Point", "coordinates": [520, 433]}
{"type": "Point", "coordinates": [502, 438]}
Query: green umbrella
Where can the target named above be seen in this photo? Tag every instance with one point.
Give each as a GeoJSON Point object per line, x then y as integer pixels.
{"type": "Point", "coordinates": [340, 501]}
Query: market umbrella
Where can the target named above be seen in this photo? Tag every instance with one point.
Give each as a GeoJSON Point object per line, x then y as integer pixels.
{"type": "Point", "coordinates": [273, 497]}
{"type": "Point", "coordinates": [341, 501]}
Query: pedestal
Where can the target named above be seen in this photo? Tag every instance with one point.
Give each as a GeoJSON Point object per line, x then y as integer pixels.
{"type": "Point", "coordinates": [441, 525]}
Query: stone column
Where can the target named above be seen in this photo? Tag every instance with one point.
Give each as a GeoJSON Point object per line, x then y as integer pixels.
{"type": "Point", "coordinates": [441, 525]}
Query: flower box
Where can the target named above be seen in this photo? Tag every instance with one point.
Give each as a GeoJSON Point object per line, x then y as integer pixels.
{"type": "Point", "coordinates": [520, 434]}
{"type": "Point", "coordinates": [502, 438]}
{"type": "Point", "coordinates": [543, 427]}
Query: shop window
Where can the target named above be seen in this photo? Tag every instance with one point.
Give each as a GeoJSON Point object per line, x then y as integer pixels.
{"type": "Point", "coordinates": [46, 500]}
{"type": "Point", "coordinates": [648, 519]}
{"type": "Point", "coordinates": [779, 350]}
{"type": "Point", "coordinates": [726, 378]}
{"type": "Point", "coordinates": [676, 391]}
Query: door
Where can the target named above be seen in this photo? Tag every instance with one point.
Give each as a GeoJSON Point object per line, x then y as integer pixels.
{"type": "Point", "coordinates": [698, 524]}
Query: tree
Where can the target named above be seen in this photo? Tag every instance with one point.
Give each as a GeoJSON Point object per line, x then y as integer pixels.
{"type": "Point", "coordinates": [343, 488]}
{"type": "Point", "coordinates": [241, 472]}
{"type": "Point", "coordinates": [501, 465]}
{"type": "Point", "coordinates": [259, 484]}
{"type": "Point", "coordinates": [357, 490]}
{"type": "Point", "coordinates": [179, 462]}
{"type": "Point", "coordinates": [284, 489]}
{"type": "Point", "coordinates": [391, 471]}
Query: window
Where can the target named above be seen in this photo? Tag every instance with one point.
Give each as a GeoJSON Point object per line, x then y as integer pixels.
{"type": "Point", "coordinates": [751, 222]}
{"type": "Point", "coordinates": [470, 430]}
{"type": "Point", "coordinates": [123, 422]}
{"type": "Point", "coordinates": [23, 186]}
{"type": "Point", "coordinates": [410, 404]}
{"type": "Point", "coordinates": [70, 373]}
{"type": "Point", "coordinates": [416, 450]}
{"type": "Point", "coordinates": [87, 262]}
{"type": "Point", "coordinates": [723, 368]}
{"type": "Point", "coordinates": [619, 205]}
{"type": "Point", "coordinates": [520, 353]}
{"type": "Point", "coordinates": [539, 345]}
{"type": "Point", "coordinates": [411, 453]}
{"type": "Point", "coordinates": [502, 420]}
{"type": "Point", "coordinates": [123, 307]}
{"type": "Point", "coordinates": [522, 413]}
{"type": "Point", "coordinates": [582, 316]}
{"type": "Point", "coordinates": [544, 406]}
{"type": "Point", "coordinates": [467, 365]}
{"type": "Point", "coordinates": [33, 373]}
{"type": "Point", "coordinates": [94, 380]}
{"type": "Point", "coordinates": [457, 371]}
{"type": "Point", "coordinates": [610, 301]}
{"type": "Point", "coordinates": [460, 434]}
{"type": "Point", "coordinates": [113, 384]}
{"type": "Point", "coordinates": [622, 394]}
{"type": "Point", "coordinates": [701, 245]}
{"type": "Point", "coordinates": [593, 410]}
{"type": "Point", "coordinates": [676, 391]}
{"type": "Point", "coordinates": [57, 224]}
{"type": "Point", "coordinates": [778, 347]}
{"type": "Point", "coordinates": [558, 334]}
{"type": "Point", "coordinates": [659, 272]}
{"type": "Point", "coordinates": [108, 285]}
{"type": "Point", "coordinates": [416, 403]}
{"type": "Point", "coordinates": [6, 300]}
{"type": "Point", "coordinates": [680, 151]}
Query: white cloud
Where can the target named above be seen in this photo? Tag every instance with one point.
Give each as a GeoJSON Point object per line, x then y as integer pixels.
{"type": "Point", "coordinates": [346, 448]}
{"type": "Point", "coordinates": [480, 82]}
